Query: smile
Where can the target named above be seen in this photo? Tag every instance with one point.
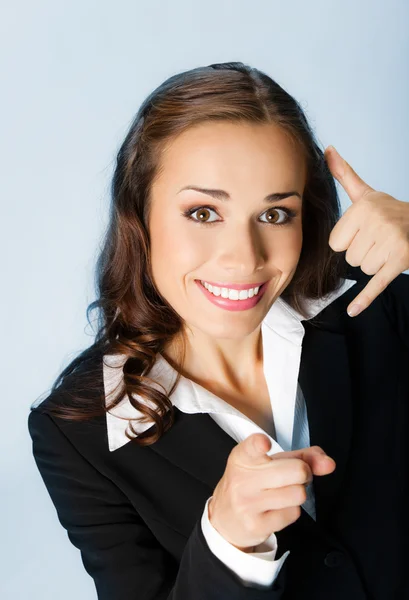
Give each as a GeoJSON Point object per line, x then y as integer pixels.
{"type": "Point", "coordinates": [230, 298]}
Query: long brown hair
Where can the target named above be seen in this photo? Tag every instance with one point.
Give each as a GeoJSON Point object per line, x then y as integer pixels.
{"type": "Point", "coordinates": [134, 319]}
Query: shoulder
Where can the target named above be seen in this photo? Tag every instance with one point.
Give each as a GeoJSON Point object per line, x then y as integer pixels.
{"type": "Point", "coordinates": [395, 301]}
{"type": "Point", "coordinates": [80, 381]}
{"type": "Point", "coordinates": [80, 391]}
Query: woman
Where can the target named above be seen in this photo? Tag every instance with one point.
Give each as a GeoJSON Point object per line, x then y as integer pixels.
{"type": "Point", "coordinates": [232, 432]}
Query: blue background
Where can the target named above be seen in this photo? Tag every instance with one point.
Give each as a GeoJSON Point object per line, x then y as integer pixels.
{"type": "Point", "coordinates": [73, 75]}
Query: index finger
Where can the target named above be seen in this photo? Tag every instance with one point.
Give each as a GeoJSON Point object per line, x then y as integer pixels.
{"type": "Point", "coordinates": [315, 457]}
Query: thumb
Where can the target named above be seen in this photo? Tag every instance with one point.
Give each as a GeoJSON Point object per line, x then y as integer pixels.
{"type": "Point", "coordinates": [252, 450]}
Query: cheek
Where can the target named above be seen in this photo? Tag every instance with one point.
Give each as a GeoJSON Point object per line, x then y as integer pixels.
{"type": "Point", "coordinates": [296, 243]}
{"type": "Point", "coordinates": [176, 249]}
{"type": "Point", "coordinates": [285, 249]}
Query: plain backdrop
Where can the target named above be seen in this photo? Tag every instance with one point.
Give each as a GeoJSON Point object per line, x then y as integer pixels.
{"type": "Point", "coordinates": [73, 75]}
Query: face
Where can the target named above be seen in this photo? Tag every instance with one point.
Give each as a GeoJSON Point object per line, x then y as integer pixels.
{"type": "Point", "coordinates": [234, 236]}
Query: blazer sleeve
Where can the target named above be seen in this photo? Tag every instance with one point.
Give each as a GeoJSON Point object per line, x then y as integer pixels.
{"type": "Point", "coordinates": [118, 549]}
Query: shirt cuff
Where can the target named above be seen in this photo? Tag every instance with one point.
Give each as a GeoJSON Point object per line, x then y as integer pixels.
{"type": "Point", "coordinates": [254, 567]}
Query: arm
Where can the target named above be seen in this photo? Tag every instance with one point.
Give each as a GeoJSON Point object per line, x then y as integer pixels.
{"type": "Point", "coordinates": [254, 567]}
{"type": "Point", "coordinates": [118, 550]}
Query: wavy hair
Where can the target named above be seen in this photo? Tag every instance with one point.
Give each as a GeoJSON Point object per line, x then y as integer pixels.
{"type": "Point", "coordinates": [134, 320]}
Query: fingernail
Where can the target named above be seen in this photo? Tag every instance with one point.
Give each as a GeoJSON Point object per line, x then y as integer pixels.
{"type": "Point", "coordinates": [354, 310]}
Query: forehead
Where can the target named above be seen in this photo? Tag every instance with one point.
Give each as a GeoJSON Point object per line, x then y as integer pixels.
{"type": "Point", "coordinates": [214, 152]}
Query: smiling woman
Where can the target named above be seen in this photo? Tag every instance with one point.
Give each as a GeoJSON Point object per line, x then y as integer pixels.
{"type": "Point", "coordinates": [217, 439]}
{"type": "Point", "coordinates": [231, 133]}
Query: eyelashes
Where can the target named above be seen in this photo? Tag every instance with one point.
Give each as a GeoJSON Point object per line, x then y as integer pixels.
{"type": "Point", "coordinates": [290, 214]}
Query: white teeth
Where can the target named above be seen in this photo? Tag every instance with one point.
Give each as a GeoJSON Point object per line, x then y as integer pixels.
{"type": "Point", "coordinates": [231, 294]}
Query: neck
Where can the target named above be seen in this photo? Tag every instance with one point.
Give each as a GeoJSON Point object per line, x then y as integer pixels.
{"type": "Point", "coordinates": [229, 364]}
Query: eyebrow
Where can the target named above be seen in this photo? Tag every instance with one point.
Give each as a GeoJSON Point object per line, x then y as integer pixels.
{"type": "Point", "coordinates": [223, 195]}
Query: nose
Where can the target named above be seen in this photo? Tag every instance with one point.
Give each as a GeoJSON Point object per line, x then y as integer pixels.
{"type": "Point", "coordinates": [241, 253]}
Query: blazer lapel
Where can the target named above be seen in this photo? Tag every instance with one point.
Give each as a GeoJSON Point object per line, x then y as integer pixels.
{"type": "Point", "coordinates": [325, 380]}
{"type": "Point", "coordinates": [196, 444]}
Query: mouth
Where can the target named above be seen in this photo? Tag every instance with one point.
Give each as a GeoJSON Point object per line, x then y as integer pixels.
{"type": "Point", "coordinates": [230, 304]}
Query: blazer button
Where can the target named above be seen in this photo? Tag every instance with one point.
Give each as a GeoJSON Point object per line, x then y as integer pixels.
{"type": "Point", "coordinates": [334, 558]}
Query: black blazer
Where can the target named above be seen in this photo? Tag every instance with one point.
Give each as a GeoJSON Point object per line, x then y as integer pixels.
{"type": "Point", "coordinates": [135, 513]}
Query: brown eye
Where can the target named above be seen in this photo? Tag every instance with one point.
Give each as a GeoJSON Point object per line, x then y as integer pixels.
{"type": "Point", "coordinates": [200, 213]}
{"type": "Point", "coordinates": [273, 220]}
{"type": "Point", "coordinates": [268, 213]}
